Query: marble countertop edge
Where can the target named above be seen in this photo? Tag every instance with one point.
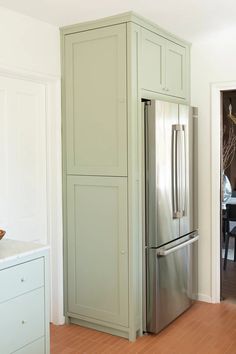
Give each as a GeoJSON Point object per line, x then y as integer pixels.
{"type": "Point", "coordinates": [14, 249]}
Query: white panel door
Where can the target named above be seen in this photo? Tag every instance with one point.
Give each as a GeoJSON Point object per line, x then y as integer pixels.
{"type": "Point", "coordinates": [23, 159]}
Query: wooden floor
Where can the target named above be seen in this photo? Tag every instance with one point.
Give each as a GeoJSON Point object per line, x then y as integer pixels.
{"type": "Point", "coordinates": [204, 329]}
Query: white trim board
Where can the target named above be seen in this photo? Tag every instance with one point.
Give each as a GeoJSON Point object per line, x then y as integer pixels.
{"type": "Point", "coordinates": [54, 184]}
{"type": "Point", "coordinates": [216, 89]}
{"type": "Point", "coordinates": [21, 73]}
{"type": "Point", "coordinates": [204, 298]}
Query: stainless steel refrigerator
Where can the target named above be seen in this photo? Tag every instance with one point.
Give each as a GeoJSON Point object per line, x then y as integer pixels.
{"type": "Point", "coordinates": [171, 230]}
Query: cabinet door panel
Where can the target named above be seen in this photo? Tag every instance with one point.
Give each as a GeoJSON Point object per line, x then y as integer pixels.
{"type": "Point", "coordinates": [153, 62]}
{"type": "Point", "coordinates": [175, 70]}
{"type": "Point", "coordinates": [95, 91]}
{"type": "Point", "coordinates": [97, 248]}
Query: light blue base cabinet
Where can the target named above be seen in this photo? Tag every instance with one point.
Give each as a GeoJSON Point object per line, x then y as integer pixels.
{"type": "Point", "coordinates": [24, 308]}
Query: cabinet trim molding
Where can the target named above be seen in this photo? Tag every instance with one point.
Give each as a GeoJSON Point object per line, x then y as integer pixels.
{"type": "Point", "coordinates": [125, 17]}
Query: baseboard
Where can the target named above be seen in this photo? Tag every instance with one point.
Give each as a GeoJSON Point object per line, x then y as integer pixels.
{"type": "Point", "coordinates": [58, 321]}
{"type": "Point", "coordinates": [98, 327]}
{"type": "Point", "coordinates": [204, 298]}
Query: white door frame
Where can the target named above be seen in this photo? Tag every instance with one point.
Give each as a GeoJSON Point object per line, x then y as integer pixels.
{"type": "Point", "coordinates": [216, 89]}
{"type": "Point", "coordinates": [52, 86]}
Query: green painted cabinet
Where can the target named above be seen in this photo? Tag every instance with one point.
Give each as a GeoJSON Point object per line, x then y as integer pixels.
{"type": "Point", "coordinates": [96, 118]}
{"type": "Point", "coordinates": [108, 66]}
{"type": "Point", "coordinates": [98, 248]}
{"type": "Point", "coordinates": [164, 66]}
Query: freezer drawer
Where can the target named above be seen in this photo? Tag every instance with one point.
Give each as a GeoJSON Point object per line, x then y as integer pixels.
{"type": "Point", "coordinates": [170, 282]}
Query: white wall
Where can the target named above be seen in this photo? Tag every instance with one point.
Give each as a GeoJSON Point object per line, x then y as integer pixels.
{"type": "Point", "coordinates": [30, 51]}
{"type": "Point", "coordinates": [213, 60]}
{"type": "Point", "coordinates": [29, 44]}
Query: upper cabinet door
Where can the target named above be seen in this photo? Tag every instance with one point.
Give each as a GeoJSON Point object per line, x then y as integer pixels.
{"type": "Point", "coordinates": [153, 62]}
{"type": "Point", "coordinates": [164, 66]}
{"type": "Point", "coordinates": [95, 105]}
{"type": "Point", "coordinates": [175, 70]}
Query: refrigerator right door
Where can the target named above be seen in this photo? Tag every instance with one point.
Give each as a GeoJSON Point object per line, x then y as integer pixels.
{"type": "Point", "coordinates": [186, 169]}
{"type": "Point", "coordinates": [170, 279]}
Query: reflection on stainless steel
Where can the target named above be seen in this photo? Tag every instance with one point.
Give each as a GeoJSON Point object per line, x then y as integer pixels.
{"type": "Point", "coordinates": [170, 237]}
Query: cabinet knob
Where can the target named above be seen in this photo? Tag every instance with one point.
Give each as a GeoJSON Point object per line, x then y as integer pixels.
{"type": "Point", "coordinates": [22, 280]}
{"type": "Point", "coordinates": [122, 252]}
{"type": "Point", "coordinates": [23, 322]}
{"type": "Point", "coordinates": [167, 89]}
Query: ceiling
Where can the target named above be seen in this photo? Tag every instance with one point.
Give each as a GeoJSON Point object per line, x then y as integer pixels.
{"type": "Point", "coordinates": [189, 19]}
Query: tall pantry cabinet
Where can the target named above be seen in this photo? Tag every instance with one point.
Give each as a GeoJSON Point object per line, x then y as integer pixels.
{"type": "Point", "coordinates": [107, 67]}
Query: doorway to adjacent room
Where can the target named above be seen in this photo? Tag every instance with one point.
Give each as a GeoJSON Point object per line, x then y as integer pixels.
{"type": "Point", "coordinates": [228, 192]}
{"type": "Point", "coordinates": [223, 162]}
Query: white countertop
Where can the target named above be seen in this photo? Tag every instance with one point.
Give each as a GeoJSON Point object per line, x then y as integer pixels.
{"type": "Point", "coordinates": [12, 249]}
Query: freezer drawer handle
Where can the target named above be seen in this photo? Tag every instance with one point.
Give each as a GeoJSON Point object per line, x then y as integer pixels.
{"type": "Point", "coordinates": [163, 253]}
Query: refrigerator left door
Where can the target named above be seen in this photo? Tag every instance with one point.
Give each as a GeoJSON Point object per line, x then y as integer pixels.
{"type": "Point", "coordinates": [161, 225]}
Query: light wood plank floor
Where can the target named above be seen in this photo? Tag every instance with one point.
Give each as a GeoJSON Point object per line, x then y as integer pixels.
{"type": "Point", "coordinates": [204, 329]}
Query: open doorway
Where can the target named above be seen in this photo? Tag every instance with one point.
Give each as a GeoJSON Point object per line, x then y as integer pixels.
{"type": "Point", "coordinates": [228, 206]}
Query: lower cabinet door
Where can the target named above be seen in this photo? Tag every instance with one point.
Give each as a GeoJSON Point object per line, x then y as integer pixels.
{"type": "Point", "coordinates": [21, 321]}
{"type": "Point", "coordinates": [98, 248]}
{"type": "Point", "coordinates": [37, 347]}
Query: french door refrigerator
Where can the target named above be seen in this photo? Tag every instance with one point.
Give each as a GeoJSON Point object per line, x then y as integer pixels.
{"type": "Point", "coordinates": [170, 230]}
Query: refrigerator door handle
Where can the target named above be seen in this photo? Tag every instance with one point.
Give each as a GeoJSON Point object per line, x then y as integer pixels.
{"type": "Point", "coordinates": [174, 173]}
{"type": "Point", "coordinates": [183, 171]}
{"type": "Point", "coordinates": [177, 189]}
{"type": "Point", "coordinates": [163, 252]}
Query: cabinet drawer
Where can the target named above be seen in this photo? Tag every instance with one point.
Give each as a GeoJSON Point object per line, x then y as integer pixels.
{"type": "Point", "coordinates": [37, 347]}
{"type": "Point", "coordinates": [22, 321]}
{"type": "Point", "coordinates": [18, 280]}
